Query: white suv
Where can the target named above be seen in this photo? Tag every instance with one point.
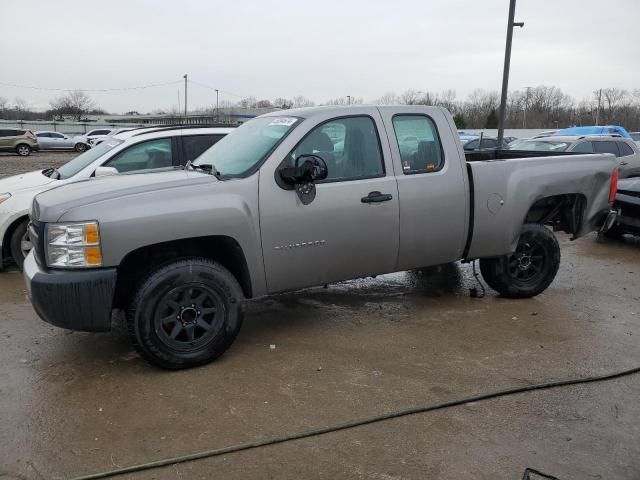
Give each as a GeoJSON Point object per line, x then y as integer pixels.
{"type": "Point", "coordinates": [134, 150]}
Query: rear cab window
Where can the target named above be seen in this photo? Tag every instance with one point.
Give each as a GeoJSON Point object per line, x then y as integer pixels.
{"type": "Point", "coordinates": [419, 144]}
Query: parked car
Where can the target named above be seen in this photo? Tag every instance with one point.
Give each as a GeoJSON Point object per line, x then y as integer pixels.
{"type": "Point", "coordinates": [594, 130]}
{"type": "Point", "coordinates": [134, 150]}
{"type": "Point", "coordinates": [547, 133]}
{"type": "Point", "coordinates": [635, 136]}
{"type": "Point", "coordinates": [97, 140]}
{"type": "Point", "coordinates": [628, 206]}
{"type": "Point", "coordinates": [273, 208]}
{"type": "Point", "coordinates": [18, 140]}
{"type": "Point", "coordinates": [94, 134]}
{"type": "Point", "coordinates": [625, 149]}
{"type": "Point", "coordinates": [474, 144]}
{"type": "Point", "coordinates": [60, 141]}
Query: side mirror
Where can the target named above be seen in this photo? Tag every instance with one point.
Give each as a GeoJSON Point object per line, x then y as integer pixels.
{"type": "Point", "coordinates": [106, 171]}
{"type": "Point", "coordinates": [307, 169]}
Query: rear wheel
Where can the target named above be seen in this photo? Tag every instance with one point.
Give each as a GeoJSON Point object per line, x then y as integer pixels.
{"type": "Point", "coordinates": [20, 243]}
{"type": "Point", "coordinates": [80, 147]}
{"type": "Point", "coordinates": [530, 269]}
{"type": "Point", "coordinates": [23, 150]}
{"type": "Point", "coordinates": [186, 313]}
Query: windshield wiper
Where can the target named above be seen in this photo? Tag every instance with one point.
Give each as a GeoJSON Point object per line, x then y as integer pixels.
{"type": "Point", "coordinates": [205, 167]}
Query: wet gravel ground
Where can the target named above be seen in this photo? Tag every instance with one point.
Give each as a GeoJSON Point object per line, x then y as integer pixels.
{"type": "Point", "coordinates": [77, 403]}
{"type": "Point", "coordinates": [12, 164]}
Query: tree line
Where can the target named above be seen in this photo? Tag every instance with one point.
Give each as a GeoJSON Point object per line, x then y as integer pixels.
{"type": "Point", "coordinates": [533, 107]}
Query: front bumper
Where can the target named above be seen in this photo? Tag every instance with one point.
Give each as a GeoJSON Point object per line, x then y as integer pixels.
{"type": "Point", "coordinates": [75, 300]}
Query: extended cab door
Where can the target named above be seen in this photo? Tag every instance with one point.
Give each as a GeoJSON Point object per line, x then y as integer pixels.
{"type": "Point", "coordinates": [350, 229]}
{"type": "Point", "coordinates": [432, 185]}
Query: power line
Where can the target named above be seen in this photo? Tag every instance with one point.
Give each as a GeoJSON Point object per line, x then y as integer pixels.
{"type": "Point", "coordinates": [217, 89]}
{"type": "Point", "coordinates": [49, 89]}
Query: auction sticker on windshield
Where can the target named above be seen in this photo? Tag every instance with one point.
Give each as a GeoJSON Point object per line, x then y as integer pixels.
{"type": "Point", "coordinates": [286, 121]}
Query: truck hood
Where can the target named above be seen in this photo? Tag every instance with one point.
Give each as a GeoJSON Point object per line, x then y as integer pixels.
{"type": "Point", "coordinates": [25, 181]}
{"type": "Point", "coordinates": [49, 206]}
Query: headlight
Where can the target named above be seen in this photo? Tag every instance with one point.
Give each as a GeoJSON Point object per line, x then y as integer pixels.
{"type": "Point", "coordinates": [4, 196]}
{"type": "Point", "coordinates": [73, 245]}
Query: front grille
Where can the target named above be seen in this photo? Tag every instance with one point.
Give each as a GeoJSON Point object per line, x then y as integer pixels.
{"type": "Point", "coordinates": [36, 234]}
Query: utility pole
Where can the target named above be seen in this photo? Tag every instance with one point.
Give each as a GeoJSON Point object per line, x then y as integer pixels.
{"type": "Point", "coordinates": [505, 72]}
{"type": "Point", "coordinates": [217, 110]}
{"type": "Point", "coordinates": [348, 99]}
{"type": "Point", "coordinates": [526, 105]}
{"type": "Point", "coordinates": [185, 96]}
{"type": "Point", "coordinates": [598, 110]}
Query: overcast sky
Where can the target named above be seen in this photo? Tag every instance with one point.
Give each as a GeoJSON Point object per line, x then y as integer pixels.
{"type": "Point", "coordinates": [320, 49]}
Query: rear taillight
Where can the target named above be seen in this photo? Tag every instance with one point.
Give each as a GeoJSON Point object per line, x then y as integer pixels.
{"type": "Point", "coordinates": [613, 188]}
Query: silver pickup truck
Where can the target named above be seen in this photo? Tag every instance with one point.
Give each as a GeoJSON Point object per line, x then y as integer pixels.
{"type": "Point", "coordinates": [294, 199]}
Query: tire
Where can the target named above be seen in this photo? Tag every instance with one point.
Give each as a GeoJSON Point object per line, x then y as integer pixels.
{"type": "Point", "coordinates": [23, 150]}
{"type": "Point", "coordinates": [20, 243]}
{"type": "Point", "coordinates": [530, 269]}
{"type": "Point", "coordinates": [166, 318]}
{"type": "Point", "coordinates": [80, 147]}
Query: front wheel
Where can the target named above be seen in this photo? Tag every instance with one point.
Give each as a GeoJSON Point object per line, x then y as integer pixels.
{"type": "Point", "coordinates": [530, 269]}
{"type": "Point", "coordinates": [186, 313]}
{"type": "Point", "coordinates": [80, 147]}
{"type": "Point", "coordinates": [20, 243]}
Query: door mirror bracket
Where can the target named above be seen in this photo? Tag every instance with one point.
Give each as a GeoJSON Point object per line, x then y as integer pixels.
{"type": "Point", "coordinates": [307, 169]}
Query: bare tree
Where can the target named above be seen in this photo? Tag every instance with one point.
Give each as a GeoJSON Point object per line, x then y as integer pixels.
{"type": "Point", "coordinates": [410, 97]}
{"type": "Point", "coordinates": [20, 105]}
{"type": "Point", "coordinates": [613, 98]}
{"type": "Point", "coordinates": [4, 104]}
{"type": "Point", "coordinates": [76, 104]}
{"type": "Point", "coordinates": [248, 102]}
{"type": "Point", "coordinates": [389, 98]}
{"type": "Point", "coordinates": [300, 101]}
{"type": "Point", "coordinates": [283, 103]}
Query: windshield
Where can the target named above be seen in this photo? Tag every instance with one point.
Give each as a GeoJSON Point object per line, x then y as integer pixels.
{"type": "Point", "coordinates": [636, 136]}
{"type": "Point", "coordinates": [244, 148]}
{"type": "Point", "coordinates": [538, 145]}
{"type": "Point", "coordinates": [71, 168]}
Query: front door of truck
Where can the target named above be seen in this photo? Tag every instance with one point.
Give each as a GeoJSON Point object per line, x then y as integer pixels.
{"type": "Point", "coordinates": [434, 197]}
{"type": "Point", "coordinates": [350, 229]}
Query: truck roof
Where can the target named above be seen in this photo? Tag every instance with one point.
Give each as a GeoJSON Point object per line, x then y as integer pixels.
{"type": "Point", "coordinates": [309, 112]}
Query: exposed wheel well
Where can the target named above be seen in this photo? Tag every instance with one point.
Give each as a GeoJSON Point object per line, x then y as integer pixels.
{"type": "Point", "coordinates": [6, 241]}
{"type": "Point", "coordinates": [137, 264]}
{"type": "Point", "coordinates": [564, 212]}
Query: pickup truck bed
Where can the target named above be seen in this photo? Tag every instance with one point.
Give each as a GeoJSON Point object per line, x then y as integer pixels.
{"type": "Point", "coordinates": [539, 182]}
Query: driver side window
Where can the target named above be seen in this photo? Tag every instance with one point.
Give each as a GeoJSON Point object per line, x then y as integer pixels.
{"type": "Point", "coordinates": [349, 146]}
{"type": "Point", "coordinates": [144, 156]}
